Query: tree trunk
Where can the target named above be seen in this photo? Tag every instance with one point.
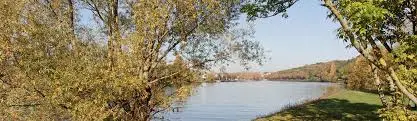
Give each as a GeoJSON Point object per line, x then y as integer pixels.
{"type": "Point", "coordinates": [379, 86]}
{"type": "Point", "coordinates": [379, 63]}
{"type": "Point", "coordinates": [71, 17]}
{"type": "Point", "coordinates": [141, 108]}
{"type": "Point", "coordinates": [114, 33]}
{"type": "Point", "coordinates": [147, 103]}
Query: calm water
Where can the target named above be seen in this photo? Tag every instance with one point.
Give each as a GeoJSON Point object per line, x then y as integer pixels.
{"type": "Point", "coordinates": [243, 101]}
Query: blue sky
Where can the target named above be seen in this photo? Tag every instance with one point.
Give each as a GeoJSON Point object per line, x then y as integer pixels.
{"type": "Point", "coordinates": [307, 36]}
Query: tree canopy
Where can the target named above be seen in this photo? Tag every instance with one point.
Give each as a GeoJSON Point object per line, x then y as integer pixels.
{"type": "Point", "coordinates": [55, 65]}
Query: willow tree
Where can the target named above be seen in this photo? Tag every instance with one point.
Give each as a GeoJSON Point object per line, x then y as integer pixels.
{"type": "Point", "coordinates": [36, 58]}
{"type": "Point", "coordinates": [55, 68]}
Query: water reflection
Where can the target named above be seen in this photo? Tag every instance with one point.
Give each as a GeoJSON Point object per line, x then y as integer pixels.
{"type": "Point", "coordinates": [243, 101]}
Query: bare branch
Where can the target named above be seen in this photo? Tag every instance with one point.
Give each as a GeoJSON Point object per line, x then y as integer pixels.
{"type": "Point", "coordinates": [95, 9]}
{"type": "Point", "coordinates": [24, 105]}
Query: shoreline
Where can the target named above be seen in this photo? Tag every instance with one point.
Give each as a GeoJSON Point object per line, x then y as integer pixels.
{"type": "Point", "coordinates": [336, 103]}
{"type": "Point", "coordinates": [274, 81]}
{"type": "Point", "coordinates": [331, 90]}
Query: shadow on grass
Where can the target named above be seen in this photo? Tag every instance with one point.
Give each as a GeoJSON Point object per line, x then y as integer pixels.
{"type": "Point", "coordinates": [327, 109]}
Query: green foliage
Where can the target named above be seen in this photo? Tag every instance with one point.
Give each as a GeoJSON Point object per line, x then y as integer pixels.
{"type": "Point", "coordinates": [407, 72]}
{"type": "Point", "coordinates": [396, 113]}
{"type": "Point", "coordinates": [266, 8]}
{"type": "Point", "coordinates": [373, 27]}
{"type": "Point", "coordinates": [366, 18]}
{"type": "Point", "coordinates": [377, 25]}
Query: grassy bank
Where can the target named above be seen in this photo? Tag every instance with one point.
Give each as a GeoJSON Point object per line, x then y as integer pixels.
{"type": "Point", "coordinates": [339, 105]}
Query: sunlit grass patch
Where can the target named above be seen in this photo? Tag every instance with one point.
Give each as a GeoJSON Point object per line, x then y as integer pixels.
{"type": "Point", "coordinates": [343, 105]}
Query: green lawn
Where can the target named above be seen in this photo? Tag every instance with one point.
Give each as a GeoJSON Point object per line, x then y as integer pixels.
{"type": "Point", "coordinates": [342, 105]}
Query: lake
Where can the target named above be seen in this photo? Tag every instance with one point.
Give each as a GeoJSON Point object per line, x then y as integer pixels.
{"type": "Point", "coordinates": [243, 101]}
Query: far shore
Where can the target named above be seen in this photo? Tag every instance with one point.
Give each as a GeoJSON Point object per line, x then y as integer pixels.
{"type": "Point", "coordinates": [289, 80]}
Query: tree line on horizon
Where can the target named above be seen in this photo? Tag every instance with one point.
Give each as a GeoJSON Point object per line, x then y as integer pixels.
{"type": "Point", "coordinates": [323, 71]}
{"type": "Point", "coordinates": [331, 71]}
{"type": "Point", "coordinates": [355, 73]}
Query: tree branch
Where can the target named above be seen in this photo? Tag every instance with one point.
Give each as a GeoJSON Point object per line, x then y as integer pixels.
{"type": "Point", "coordinates": [95, 9]}
{"type": "Point", "coordinates": [24, 105]}
{"type": "Point", "coordinates": [168, 76]}
{"type": "Point", "coordinates": [379, 86]}
{"type": "Point", "coordinates": [380, 63]}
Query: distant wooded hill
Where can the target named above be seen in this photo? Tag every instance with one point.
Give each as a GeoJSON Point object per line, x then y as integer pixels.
{"type": "Point", "coordinates": [325, 71]}
{"type": "Point", "coordinates": [331, 71]}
